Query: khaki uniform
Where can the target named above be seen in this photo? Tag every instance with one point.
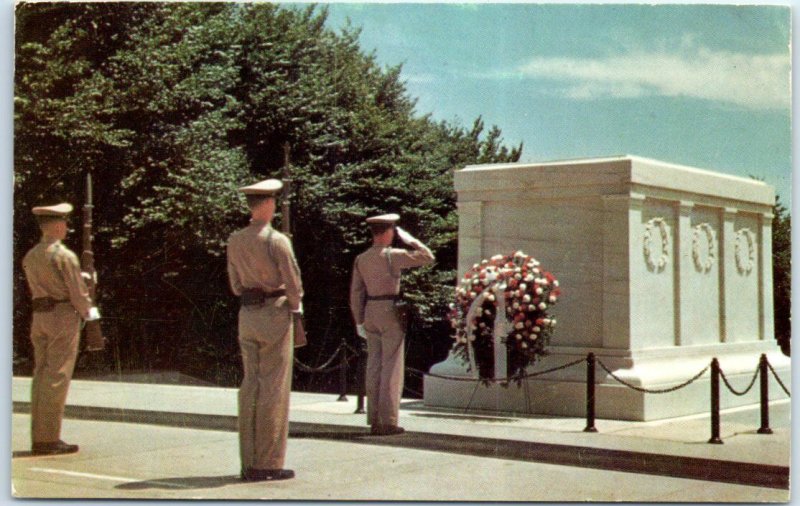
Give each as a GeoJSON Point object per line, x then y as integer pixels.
{"type": "Point", "coordinates": [261, 257]}
{"type": "Point", "coordinates": [373, 276]}
{"type": "Point", "coordinates": [53, 271]}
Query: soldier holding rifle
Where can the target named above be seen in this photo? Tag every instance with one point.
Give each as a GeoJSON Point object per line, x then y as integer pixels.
{"type": "Point", "coordinates": [60, 299]}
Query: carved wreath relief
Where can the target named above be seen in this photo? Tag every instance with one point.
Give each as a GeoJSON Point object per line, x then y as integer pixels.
{"type": "Point", "coordinates": [703, 250]}
{"type": "Point", "coordinates": [745, 250]}
{"type": "Point", "coordinates": [656, 244]}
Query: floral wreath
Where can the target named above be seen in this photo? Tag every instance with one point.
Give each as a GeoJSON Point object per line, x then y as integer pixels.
{"type": "Point", "coordinates": [703, 265]}
{"type": "Point", "coordinates": [661, 262]}
{"type": "Point", "coordinates": [517, 286]}
{"type": "Point", "coordinates": [745, 264]}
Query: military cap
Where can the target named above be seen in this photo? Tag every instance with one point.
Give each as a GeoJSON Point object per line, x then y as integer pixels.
{"type": "Point", "coordinates": [59, 210]}
{"type": "Point", "coordinates": [267, 187]}
{"type": "Point", "coordinates": [388, 219]}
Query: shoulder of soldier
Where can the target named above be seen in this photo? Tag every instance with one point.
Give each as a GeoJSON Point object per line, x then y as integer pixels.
{"type": "Point", "coordinates": [280, 238]}
{"type": "Point", "coordinates": [63, 254]}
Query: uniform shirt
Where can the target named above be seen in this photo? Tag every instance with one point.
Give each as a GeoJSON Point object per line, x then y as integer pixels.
{"type": "Point", "coordinates": [255, 262]}
{"type": "Point", "coordinates": [52, 270]}
{"type": "Point", "coordinates": [372, 275]}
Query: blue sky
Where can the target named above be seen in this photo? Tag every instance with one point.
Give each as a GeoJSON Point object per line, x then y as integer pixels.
{"type": "Point", "coordinates": [700, 85]}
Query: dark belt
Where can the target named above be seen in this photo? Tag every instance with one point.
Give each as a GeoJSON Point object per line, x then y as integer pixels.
{"type": "Point", "coordinates": [383, 297]}
{"type": "Point", "coordinates": [254, 296]}
{"type": "Point", "coordinates": [44, 304]}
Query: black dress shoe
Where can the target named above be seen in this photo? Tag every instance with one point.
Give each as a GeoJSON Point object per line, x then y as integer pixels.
{"type": "Point", "coordinates": [57, 448]}
{"type": "Point", "coordinates": [253, 474]}
{"type": "Point", "coordinates": [386, 430]}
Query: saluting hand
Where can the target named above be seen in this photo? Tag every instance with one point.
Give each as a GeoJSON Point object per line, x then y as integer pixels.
{"type": "Point", "coordinates": [405, 236]}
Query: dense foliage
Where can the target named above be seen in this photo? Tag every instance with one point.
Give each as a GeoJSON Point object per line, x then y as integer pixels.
{"type": "Point", "coordinates": [782, 276]}
{"type": "Point", "coordinates": [171, 107]}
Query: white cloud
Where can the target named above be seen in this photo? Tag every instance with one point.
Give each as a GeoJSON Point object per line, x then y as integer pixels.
{"type": "Point", "coordinates": [755, 81]}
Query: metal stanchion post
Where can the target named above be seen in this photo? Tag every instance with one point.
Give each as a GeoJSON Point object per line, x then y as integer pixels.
{"type": "Point", "coordinates": [590, 393]}
{"type": "Point", "coordinates": [343, 372]}
{"type": "Point", "coordinates": [361, 377]}
{"type": "Point", "coordinates": [764, 381]}
{"type": "Point", "coordinates": [715, 439]}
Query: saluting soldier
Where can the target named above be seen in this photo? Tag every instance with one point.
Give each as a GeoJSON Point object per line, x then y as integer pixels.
{"type": "Point", "coordinates": [60, 300]}
{"type": "Point", "coordinates": [374, 289]}
{"type": "Point", "coordinates": [263, 272]}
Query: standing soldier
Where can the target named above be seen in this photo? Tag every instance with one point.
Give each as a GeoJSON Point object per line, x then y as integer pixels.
{"type": "Point", "coordinates": [60, 300]}
{"type": "Point", "coordinates": [374, 289]}
{"type": "Point", "coordinates": [263, 272]}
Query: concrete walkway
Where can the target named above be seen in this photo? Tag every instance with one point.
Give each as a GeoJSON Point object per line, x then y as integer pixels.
{"type": "Point", "coordinates": [671, 457]}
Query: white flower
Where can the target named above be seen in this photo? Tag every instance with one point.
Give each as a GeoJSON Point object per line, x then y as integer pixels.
{"type": "Point", "coordinates": [487, 312]}
{"type": "Point", "coordinates": [515, 305]}
{"type": "Point", "coordinates": [485, 281]}
{"type": "Point", "coordinates": [537, 329]}
{"type": "Point", "coordinates": [544, 281]}
{"type": "Point", "coordinates": [523, 286]}
{"type": "Point", "coordinates": [524, 345]}
{"type": "Point", "coordinates": [533, 337]}
{"type": "Point", "coordinates": [497, 257]}
{"type": "Point", "coordinates": [553, 322]}
{"type": "Point", "coordinates": [526, 298]}
{"type": "Point", "coordinates": [535, 271]}
{"type": "Point", "coordinates": [484, 262]}
{"type": "Point", "coordinates": [517, 276]}
{"type": "Point", "coordinates": [539, 291]}
{"type": "Point", "coordinates": [519, 337]}
{"type": "Point", "coordinates": [553, 298]}
{"type": "Point", "coordinates": [529, 278]}
{"type": "Point", "coordinates": [519, 325]}
{"type": "Point", "coordinates": [490, 297]}
{"type": "Point", "coordinates": [472, 337]}
{"type": "Point", "coordinates": [546, 321]}
{"type": "Point", "coordinates": [519, 253]}
{"type": "Point", "coordinates": [542, 306]}
{"type": "Point", "coordinates": [555, 282]}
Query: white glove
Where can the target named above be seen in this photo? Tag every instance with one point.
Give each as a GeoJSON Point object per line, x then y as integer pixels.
{"type": "Point", "coordinates": [361, 331]}
{"type": "Point", "coordinates": [94, 314]}
{"type": "Point", "coordinates": [405, 236]}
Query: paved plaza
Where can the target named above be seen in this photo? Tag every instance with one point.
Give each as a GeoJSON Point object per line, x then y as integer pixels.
{"type": "Point", "coordinates": [144, 441]}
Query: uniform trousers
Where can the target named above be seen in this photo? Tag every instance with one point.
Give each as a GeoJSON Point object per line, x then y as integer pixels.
{"type": "Point", "coordinates": [55, 335]}
{"type": "Point", "coordinates": [265, 339]}
{"type": "Point", "coordinates": [385, 362]}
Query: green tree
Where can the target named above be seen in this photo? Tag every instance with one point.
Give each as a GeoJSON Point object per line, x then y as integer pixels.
{"type": "Point", "coordinates": [172, 107]}
{"type": "Point", "coordinates": [782, 275]}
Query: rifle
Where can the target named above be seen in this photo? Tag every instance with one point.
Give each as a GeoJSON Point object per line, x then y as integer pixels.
{"type": "Point", "coordinates": [286, 227]}
{"type": "Point", "coordinates": [94, 335]}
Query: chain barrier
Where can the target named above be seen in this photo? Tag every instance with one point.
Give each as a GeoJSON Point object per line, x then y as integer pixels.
{"type": "Point", "coordinates": [496, 380]}
{"type": "Point", "coordinates": [733, 390]}
{"type": "Point", "coordinates": [324, 367]}
{"type": "Point", "coordinates": [778, 379]}
{"type": "Point", "coordinates": [656, 390]}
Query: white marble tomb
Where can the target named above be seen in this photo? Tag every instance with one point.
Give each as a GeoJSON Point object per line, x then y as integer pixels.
{"type": "Point", "coordinates": [662, 267]}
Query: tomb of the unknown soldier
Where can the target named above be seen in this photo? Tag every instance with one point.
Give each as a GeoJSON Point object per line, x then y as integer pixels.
{"type": "Point", "coordinates": [661, 267]}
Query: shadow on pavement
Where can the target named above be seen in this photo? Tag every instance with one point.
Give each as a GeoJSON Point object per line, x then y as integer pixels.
{"type": "Point", "coordinates": [183, 483]}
